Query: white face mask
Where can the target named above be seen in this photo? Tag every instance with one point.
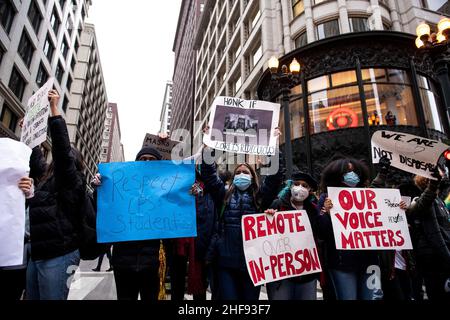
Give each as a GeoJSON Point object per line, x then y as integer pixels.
{"type": "Point", "coordinates": [299, 193]}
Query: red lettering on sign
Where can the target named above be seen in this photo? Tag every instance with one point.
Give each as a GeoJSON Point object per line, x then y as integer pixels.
{"type": "Point", "coordinates": [298, 224]}
{"type": "Point", "coordinates": [271, 226]}
{"type": "Point", "coordinates": [347, 242]}
{"type": "Point", "coordinates": [261, 230]}
{"type": "Point", "coordinates": [289, 267]}
{"type": "Point", "coordinates": [273, 264]}
{"type": "Point", "coordinates": [249, 224]}
{"type": "Point", "coordinates": [290, 217]}
{"type": "Point", "coordinates": [370, 196]}
{"type": "Point", "coordinates": [402, 240]}
{"type": "Point", "coordinates": [345, 200]}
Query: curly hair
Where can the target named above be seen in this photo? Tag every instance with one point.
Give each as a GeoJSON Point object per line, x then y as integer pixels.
{"type": "Point", "coordinates": [333, 173]}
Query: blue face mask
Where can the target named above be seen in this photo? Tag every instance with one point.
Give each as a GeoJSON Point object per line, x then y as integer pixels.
{"type": "Point", "coordinates": [351, 179]}
{"type": "Point", "coordinates": [242, 181]}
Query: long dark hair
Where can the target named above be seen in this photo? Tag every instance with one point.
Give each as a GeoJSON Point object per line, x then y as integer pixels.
{"type": "Point", "coordinates": [332, 175]}
{"type": "Point", "coordinates": [254, 187]}
{"type": "Point", "coordinates": [79, 164]}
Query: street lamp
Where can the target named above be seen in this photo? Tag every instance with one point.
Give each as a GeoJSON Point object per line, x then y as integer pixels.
{"type": "Point", "coordinates": [436, 45]}
{"type": "Point", "coordinates": [283, 80]}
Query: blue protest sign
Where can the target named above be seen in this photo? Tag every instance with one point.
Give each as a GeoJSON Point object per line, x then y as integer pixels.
{"type": "Point", "coordinates": [145, 200]}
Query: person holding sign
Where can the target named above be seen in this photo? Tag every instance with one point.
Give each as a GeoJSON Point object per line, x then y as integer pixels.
{"type": "Point", "coordinates": [349, 270]}
{"type": "Point", "coordinates": [297, 195]}
{"type": "Point", "coordinates": [55, 215]}
{"type": "Point", "coordinates": [431, 228]}
{"type": "Point", "coordinates": [244, 196]}
{"type": "Point", "coordinates": [136, 263]}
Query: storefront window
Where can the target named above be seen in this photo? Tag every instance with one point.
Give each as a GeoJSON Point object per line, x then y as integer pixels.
{"type": "Point", "coordinates": [430, 105]}
{"type": "Point", "coordinates": [389, 97]}
{"type": "Point", "coordinates": [297, 120]}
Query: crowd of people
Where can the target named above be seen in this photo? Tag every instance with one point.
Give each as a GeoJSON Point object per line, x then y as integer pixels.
{"type": "Point", "coordinates": [215, 258]}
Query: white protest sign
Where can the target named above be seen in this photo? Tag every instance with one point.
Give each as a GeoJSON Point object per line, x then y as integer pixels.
{"type": "Point", "coordinates": [407, 152]}
{"type": "Point", "coordinates": [34, 131]}
{"type": "Point", "coordinates": [279, 247]}
{"type": "Point", "coordinates": [14, 165]}
{"type": "Point", "coordinates": [243, 126]}
{"type": "Point", "coordinates": [368, 219]}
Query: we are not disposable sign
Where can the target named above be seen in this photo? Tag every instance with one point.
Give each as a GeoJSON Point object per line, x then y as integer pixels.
{"type": "Point", "coordinates": [145, 200]}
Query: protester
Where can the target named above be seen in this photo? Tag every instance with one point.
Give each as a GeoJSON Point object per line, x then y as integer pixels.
{"type": "Point", "coordinates": [55, 213]}
{"type": "Point", "coordinates": [136, 263]}
{"type": "Point", "coordinates": [430, 221]}
{"type": "Point", "coordinates": [189, 254]}
{"type": "Point", "coordinates": [245, 196]}
{"type": "Point", "coordinates": [348, 269]}
{"type": "Point", "coordinates": [297, 195]}
{"type": "Point", "coordinates": [100, 261]}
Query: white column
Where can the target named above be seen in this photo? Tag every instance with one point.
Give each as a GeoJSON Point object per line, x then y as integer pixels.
{"type": "Point", "coordinates": [309, 21]}
{"type": "Point", "coordinates": [395, 18]}
{"type": "Point", "coordinates": [376, 15]}
{"type": "Point", "coordinates": [343, 16]}
{"type": "Point", "coordinates": [285, 8]}
{"type": "Point", "coordinates": [279, 28]}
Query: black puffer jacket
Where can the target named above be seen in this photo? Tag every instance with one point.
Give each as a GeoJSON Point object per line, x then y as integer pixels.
{"type": "Point", "coordinates": [430, 222]}
{"type": "Point", "coordinates": [55, 209]}
{"type": "Point", "coordinates": [136, 255]}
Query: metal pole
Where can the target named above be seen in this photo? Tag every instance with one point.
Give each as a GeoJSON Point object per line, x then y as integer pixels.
{"type": "Point", "coordinates": [287, 130]}
{"type": "Point", "coordinates": [442, 73]}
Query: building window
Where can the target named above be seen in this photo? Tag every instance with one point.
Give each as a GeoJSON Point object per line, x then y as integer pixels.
{"type": "Point", "coordinates": [35, 17]}
{"type": "Point", "coordinates": [72, 63]}
{"type": "Point", "coordinates": [334, 102]}
{"type": "Point", "coordinates": [7, 13]}
{"type": "Point", "coordinates": [61, 4]}
{"type": "Point", "coordinates": [49, 48]}
{"type": "Point", "coordinates": [65, 104]}
{"type": "Point", "coordinates": [77, 45]}
{"type": "Point", "coordinates": [430, 104]}
{"type": "Point", "coordinates": [359, 24]}
{"type": "Point", "coordinates": [327, 29]}
{"type": "Point", "coordinates": [389, 97]}
{"type": "Point", "coordinates": [255, 20]}
{"type": "Point", "coordinates": [301, 40]}
{"type": "Point", "coordinates": [237, 85]}
{"type": "Point", "coordinates": [298, 7]}
{"type": "Point", "coordinates": [69, 83]}
{"type": "Point", "coordinates": [2, 53]}
{"type": "Point", "coordinates": [64, 48]}
{"type": "Point", "coordinates": [26, 48]}
{"type": "Point", "coordinates": [257, 55]}
{"type": "Point", "coordinates": [319, 1]}
{"type": "Point", "coordinates": [55, 21]}
{"type": "Point", "coordinates": [17, 83]}
{"type": "Point", "coordinates": [8, 118]}
{"type": "Point", "coordinates": [42, 75]}
{"type": "Point", "coordinates": [59, 72]}
{"type": "Point", "coordinates": [74, 6]}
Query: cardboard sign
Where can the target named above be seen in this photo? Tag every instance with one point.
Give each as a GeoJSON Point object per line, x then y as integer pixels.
{"type": "Point", "coordinates": [368, 219]}
{"type": "Point", "coordinates": [407, 152]}
{"type": "Point", "coordinates": [163, 146]}
{"type": "Point", "coordinates": [14, 165]}
{"type": "Point", "coordinates": [243, 126]}
{"type": "Point", "coordinates": [34, 131]}
{"type": "Point", "coordinates": [145, 200]}
{"type": "Point", "coordinates": [279, 247]}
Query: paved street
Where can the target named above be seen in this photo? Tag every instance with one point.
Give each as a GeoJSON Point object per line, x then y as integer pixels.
{"type": "Point", "coordinates": [90, 285]}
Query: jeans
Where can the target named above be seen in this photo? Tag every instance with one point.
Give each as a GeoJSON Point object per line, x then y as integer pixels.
{"type": "Point", "coordinates": [354, 285]}
{"type": "Point", "coordinates": [236, 284]}
{"type": "Point", "coordinates": [290, 290]}
{"type": "Point", "coordinates": [50, 279]}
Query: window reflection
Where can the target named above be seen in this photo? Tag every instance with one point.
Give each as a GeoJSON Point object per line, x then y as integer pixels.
{"type": "Point", "coordinates": [430, 105]}
{"type": "Point", "coordinates": [297, 120]}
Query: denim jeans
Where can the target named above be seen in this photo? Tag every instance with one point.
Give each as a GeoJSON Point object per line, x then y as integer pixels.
{"type": "Point", "coordinates": [354, 285]}
{"type": "Point", "coordinates": [291, 290]}
{"type": "Point", "coordinates": [49, 279]}
{"type": "Point", "coordinates": [236, 285]}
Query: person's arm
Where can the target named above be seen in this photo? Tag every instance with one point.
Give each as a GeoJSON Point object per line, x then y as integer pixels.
{"type": "Point", "coordinates": [66, 174]}
{"type": "Point", "coordinates": [383, 171]}
{"type": "Point", "coordinates": [213, 184]}
{"type": "Point", "coordinates": [38, 165]}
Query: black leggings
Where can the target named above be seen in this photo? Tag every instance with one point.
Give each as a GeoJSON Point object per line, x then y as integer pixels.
{"type": "Point", "coordinates": [130, 284]}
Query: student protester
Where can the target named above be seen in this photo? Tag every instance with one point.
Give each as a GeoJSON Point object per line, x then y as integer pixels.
{"type": "Point", "coordinates": [430, 220]}
{"type": "Point", "coordinates": [245, 196]}
{"type": "Point", "coordinates": [298, 194]}
{"type": "Point", "coordinates": [136, 263]}
{"type": "Point", "coordinates": [189, 254]}
{"type": "Point", "coordinates": [54, 211]}
{"type": "Point", "coordinates": [348, 269]}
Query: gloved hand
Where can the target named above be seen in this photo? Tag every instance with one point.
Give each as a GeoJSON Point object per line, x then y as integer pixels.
{"type": "Point", "coordinates": [384, 165]}
{"type": "Point", "coordinates": [434, 184]}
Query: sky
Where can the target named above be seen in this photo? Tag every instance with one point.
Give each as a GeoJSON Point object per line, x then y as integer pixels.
{"type": "Point", "coordinates": [135, 40]}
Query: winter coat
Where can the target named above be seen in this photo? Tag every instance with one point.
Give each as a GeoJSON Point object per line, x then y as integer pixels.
{"type": "Point", "coordinates": [345, 260]}
{"type": "Point", "coordinates": [430, 221]}
{"type": "Point", "coordinates": [136, 255]}
{"type": "Point", "coordinates": [226, 247]}
{"type": "Point", "coordinates": [206, 219]}
{"type": "Point", "coordinates": [55, 208]}
{"type": "Point", "coordinates": [310, 206]}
